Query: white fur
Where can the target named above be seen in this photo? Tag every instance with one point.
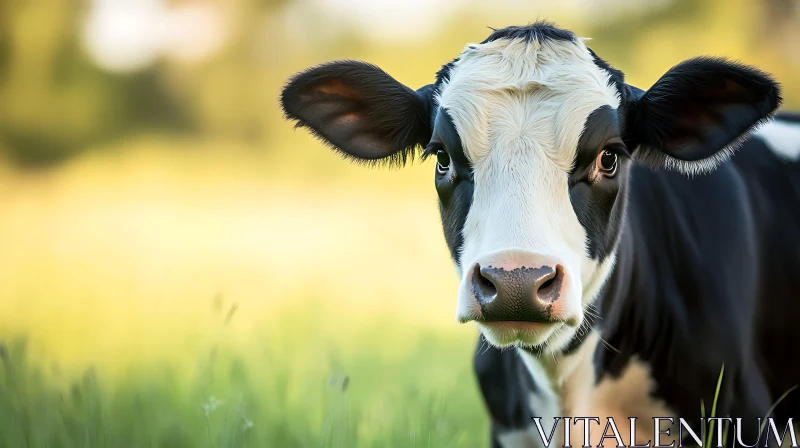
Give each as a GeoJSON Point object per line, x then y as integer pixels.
{"type": "Point", "coordinates": [704, 166]}
{"type": "Point", "coordinates": [783, 139]}
{"type": "Point", "coordinates": [520, 108]}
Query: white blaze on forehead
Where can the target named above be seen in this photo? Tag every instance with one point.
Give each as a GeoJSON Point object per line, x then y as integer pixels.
{"type": "Point", "coordinates": [519, 89]}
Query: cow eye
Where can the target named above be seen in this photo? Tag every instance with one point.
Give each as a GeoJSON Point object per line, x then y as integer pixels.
{"type": "Point", "coordinates": [607, 162]}
{"type": "Point", "coordinates": [442, 161]}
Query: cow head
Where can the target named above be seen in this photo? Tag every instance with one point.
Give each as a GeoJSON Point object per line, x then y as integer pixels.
{"type": "Point", "coordinates": [533, 137]}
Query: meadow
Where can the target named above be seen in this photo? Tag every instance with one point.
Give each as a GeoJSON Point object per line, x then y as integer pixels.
{"type": "Point", "coordinates": [306, 393]}
{"type": "Point", "coordinates": [149, 300]}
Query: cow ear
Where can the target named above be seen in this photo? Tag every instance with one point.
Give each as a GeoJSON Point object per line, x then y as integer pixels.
{"type": "Point", "coordinates": [695, 116]}
{"type": "Point", "coordinates": [360, 111]}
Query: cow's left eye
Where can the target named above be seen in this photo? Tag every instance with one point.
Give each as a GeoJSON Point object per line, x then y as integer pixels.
{"type": "Point", "coordinates": [442, 161]}
{"type": "Point", "coordinates": [607, 162]}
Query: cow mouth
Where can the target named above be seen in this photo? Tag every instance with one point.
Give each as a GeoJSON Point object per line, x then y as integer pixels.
{"type": "Point", "coordinates": [519, 333]}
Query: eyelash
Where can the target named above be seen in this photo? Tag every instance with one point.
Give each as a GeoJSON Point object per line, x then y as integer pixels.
{"type": "Point", "coordinates": [431, 150]}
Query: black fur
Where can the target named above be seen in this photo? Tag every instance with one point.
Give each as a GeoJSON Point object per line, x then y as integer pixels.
{"type": "Point", "coordinates": [599, 201]}
{"type": "Point", "coordinates": [444, 73]}
{"type": "Point", "coordinates": [616, 77]}
{"type": "Point", "coordinates": [454, 188]}
{"type": "Point", "coordinates": [540, 31]}
{"type": "Point", "coordinates": [506, 384]}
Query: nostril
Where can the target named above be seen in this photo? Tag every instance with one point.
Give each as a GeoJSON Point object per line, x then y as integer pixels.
{"type": "Point", "coordinates": [487, 284]}
{"type": "Point", "coordinates": [483, 287]}
{"type": "Point", "coordinates": [550, 288]}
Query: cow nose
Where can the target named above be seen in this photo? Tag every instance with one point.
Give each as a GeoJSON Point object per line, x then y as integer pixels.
{"type": "Point", "coordinates": [517, 293]}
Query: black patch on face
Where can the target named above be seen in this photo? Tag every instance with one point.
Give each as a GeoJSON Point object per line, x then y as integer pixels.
{"type": "Point", "coordinates": [456, 186]}
{"type": "Point", "coordinates": [599, 200]}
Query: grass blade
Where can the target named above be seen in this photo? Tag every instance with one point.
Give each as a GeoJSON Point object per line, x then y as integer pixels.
{"type": "Point", "coordinates": [725, 433]}
{"type": "Point", "coordinates": [775, 405]}
{"type": "Point", "coordinates": [714, 408]}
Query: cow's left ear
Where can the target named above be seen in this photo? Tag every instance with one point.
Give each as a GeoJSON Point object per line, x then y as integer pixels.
{"type": "Point", "coordinates": [698, 112]}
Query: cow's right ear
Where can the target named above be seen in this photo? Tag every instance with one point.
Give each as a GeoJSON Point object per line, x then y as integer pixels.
{"type": "Point", "coordinates": [360, 111]}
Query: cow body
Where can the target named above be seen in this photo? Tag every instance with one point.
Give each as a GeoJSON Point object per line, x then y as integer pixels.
{"type": "Point", "coordinates": [612, 256]}
{"type": "Point", "coordinates": [706, 275]}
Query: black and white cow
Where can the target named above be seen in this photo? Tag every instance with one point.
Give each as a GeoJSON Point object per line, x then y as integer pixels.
{"type": "Point", "coordinates": [598, 229]}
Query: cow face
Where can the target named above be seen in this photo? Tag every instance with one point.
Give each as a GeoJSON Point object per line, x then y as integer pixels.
{"type": "Point", "coordinates": [533, 138]}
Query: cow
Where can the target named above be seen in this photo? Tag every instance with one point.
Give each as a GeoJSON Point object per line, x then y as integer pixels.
{"type": "Point", "coordinates": [616, 247]}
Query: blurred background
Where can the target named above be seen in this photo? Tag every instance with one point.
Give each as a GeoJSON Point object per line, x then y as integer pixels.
{"type": "Point", "coordinates": [178, 267]}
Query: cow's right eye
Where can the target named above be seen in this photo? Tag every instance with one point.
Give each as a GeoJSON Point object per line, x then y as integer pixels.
{"type": "Point", "coordinates": [607, 162]}
{"type": "Point", "coordinates": [442, 161]}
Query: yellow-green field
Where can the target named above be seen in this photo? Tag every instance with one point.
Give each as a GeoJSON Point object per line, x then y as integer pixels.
{"type": "Point", "coordinates": [134, 295]}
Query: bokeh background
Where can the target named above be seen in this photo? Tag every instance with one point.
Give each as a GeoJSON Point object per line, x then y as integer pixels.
{"type": "Point", "coordinates": [178, 267]}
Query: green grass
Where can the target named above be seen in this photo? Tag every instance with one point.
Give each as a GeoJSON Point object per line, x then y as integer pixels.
{"type": "Point", "coordinates": [297, 384]}
{"type": "Point", "coordinates": [710, 435]}
{"type": "Point", "coordinates": [710, 431]}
